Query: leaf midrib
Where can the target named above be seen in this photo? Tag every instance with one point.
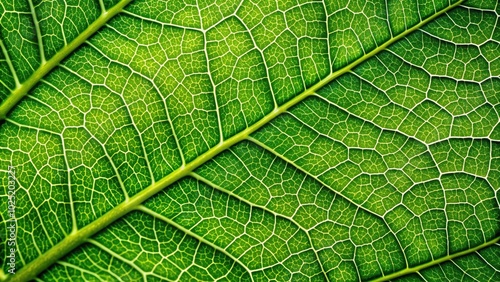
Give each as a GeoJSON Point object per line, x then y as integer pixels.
{"type": "Point", "coordinates": [77, 237]}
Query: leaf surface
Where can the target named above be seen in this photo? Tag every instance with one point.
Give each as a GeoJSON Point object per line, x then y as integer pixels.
{"type": "Point", "coordinates": [251, 140]}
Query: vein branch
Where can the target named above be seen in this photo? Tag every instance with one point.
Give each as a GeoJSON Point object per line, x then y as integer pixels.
{"type": "Point", "coordinates": [38, 33]}
{"type": "Point", "coordinates": [72, 241]}
{"type": "Point", "coordinates": [429, 264]}
{"type": "Point", "coordinates": [194, 235]}
{"type": "Point", "coordinates": [268, 210]}
{"type": "Point", "coordinates": [22, 89]}
{"type": "Point", "coordinates": [9, 63]}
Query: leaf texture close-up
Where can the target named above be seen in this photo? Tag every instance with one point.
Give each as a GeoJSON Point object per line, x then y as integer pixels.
{"type": "Point", "coordinates": [250, 140]}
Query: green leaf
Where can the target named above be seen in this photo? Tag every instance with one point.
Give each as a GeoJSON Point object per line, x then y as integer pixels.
{"type": "Point", "coordinates": [250, 140]}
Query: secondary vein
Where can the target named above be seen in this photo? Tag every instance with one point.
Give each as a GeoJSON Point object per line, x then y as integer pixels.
{"type": "Point", "coordinates": [45, 67]}
{"type": "Point", "coordinates": [73, 240]}
{"type": "Point", "coordinates": [429, 264]}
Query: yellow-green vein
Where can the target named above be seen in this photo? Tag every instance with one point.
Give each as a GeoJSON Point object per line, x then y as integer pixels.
{"type": "Point", "coordinates": [80, 236]}
{"type": "Point", "coordinates": [431, 263]}
{"type": "Point", "coordinates": [46, 66]}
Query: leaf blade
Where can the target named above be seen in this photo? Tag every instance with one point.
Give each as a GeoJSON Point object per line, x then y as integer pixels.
{"type": "Point", "coordinates": [297, 101]}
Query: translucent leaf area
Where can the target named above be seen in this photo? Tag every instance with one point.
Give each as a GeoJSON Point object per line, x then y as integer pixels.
{"type": "Point", "coordinates": [250, 140]}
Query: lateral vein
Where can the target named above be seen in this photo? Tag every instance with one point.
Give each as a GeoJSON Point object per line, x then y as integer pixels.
{"type": "Point", "coordinates": [32, 269]}
{"type": "Point", "coordinates": [22, 89]}
{"type": "Point", "coordinates": [418, 268]}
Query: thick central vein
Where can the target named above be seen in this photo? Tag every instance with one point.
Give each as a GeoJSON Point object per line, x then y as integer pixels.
{"type": "Point", "coordinates": [80, 236]}
{"type": "Point", "coordinates": [46, 66]}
